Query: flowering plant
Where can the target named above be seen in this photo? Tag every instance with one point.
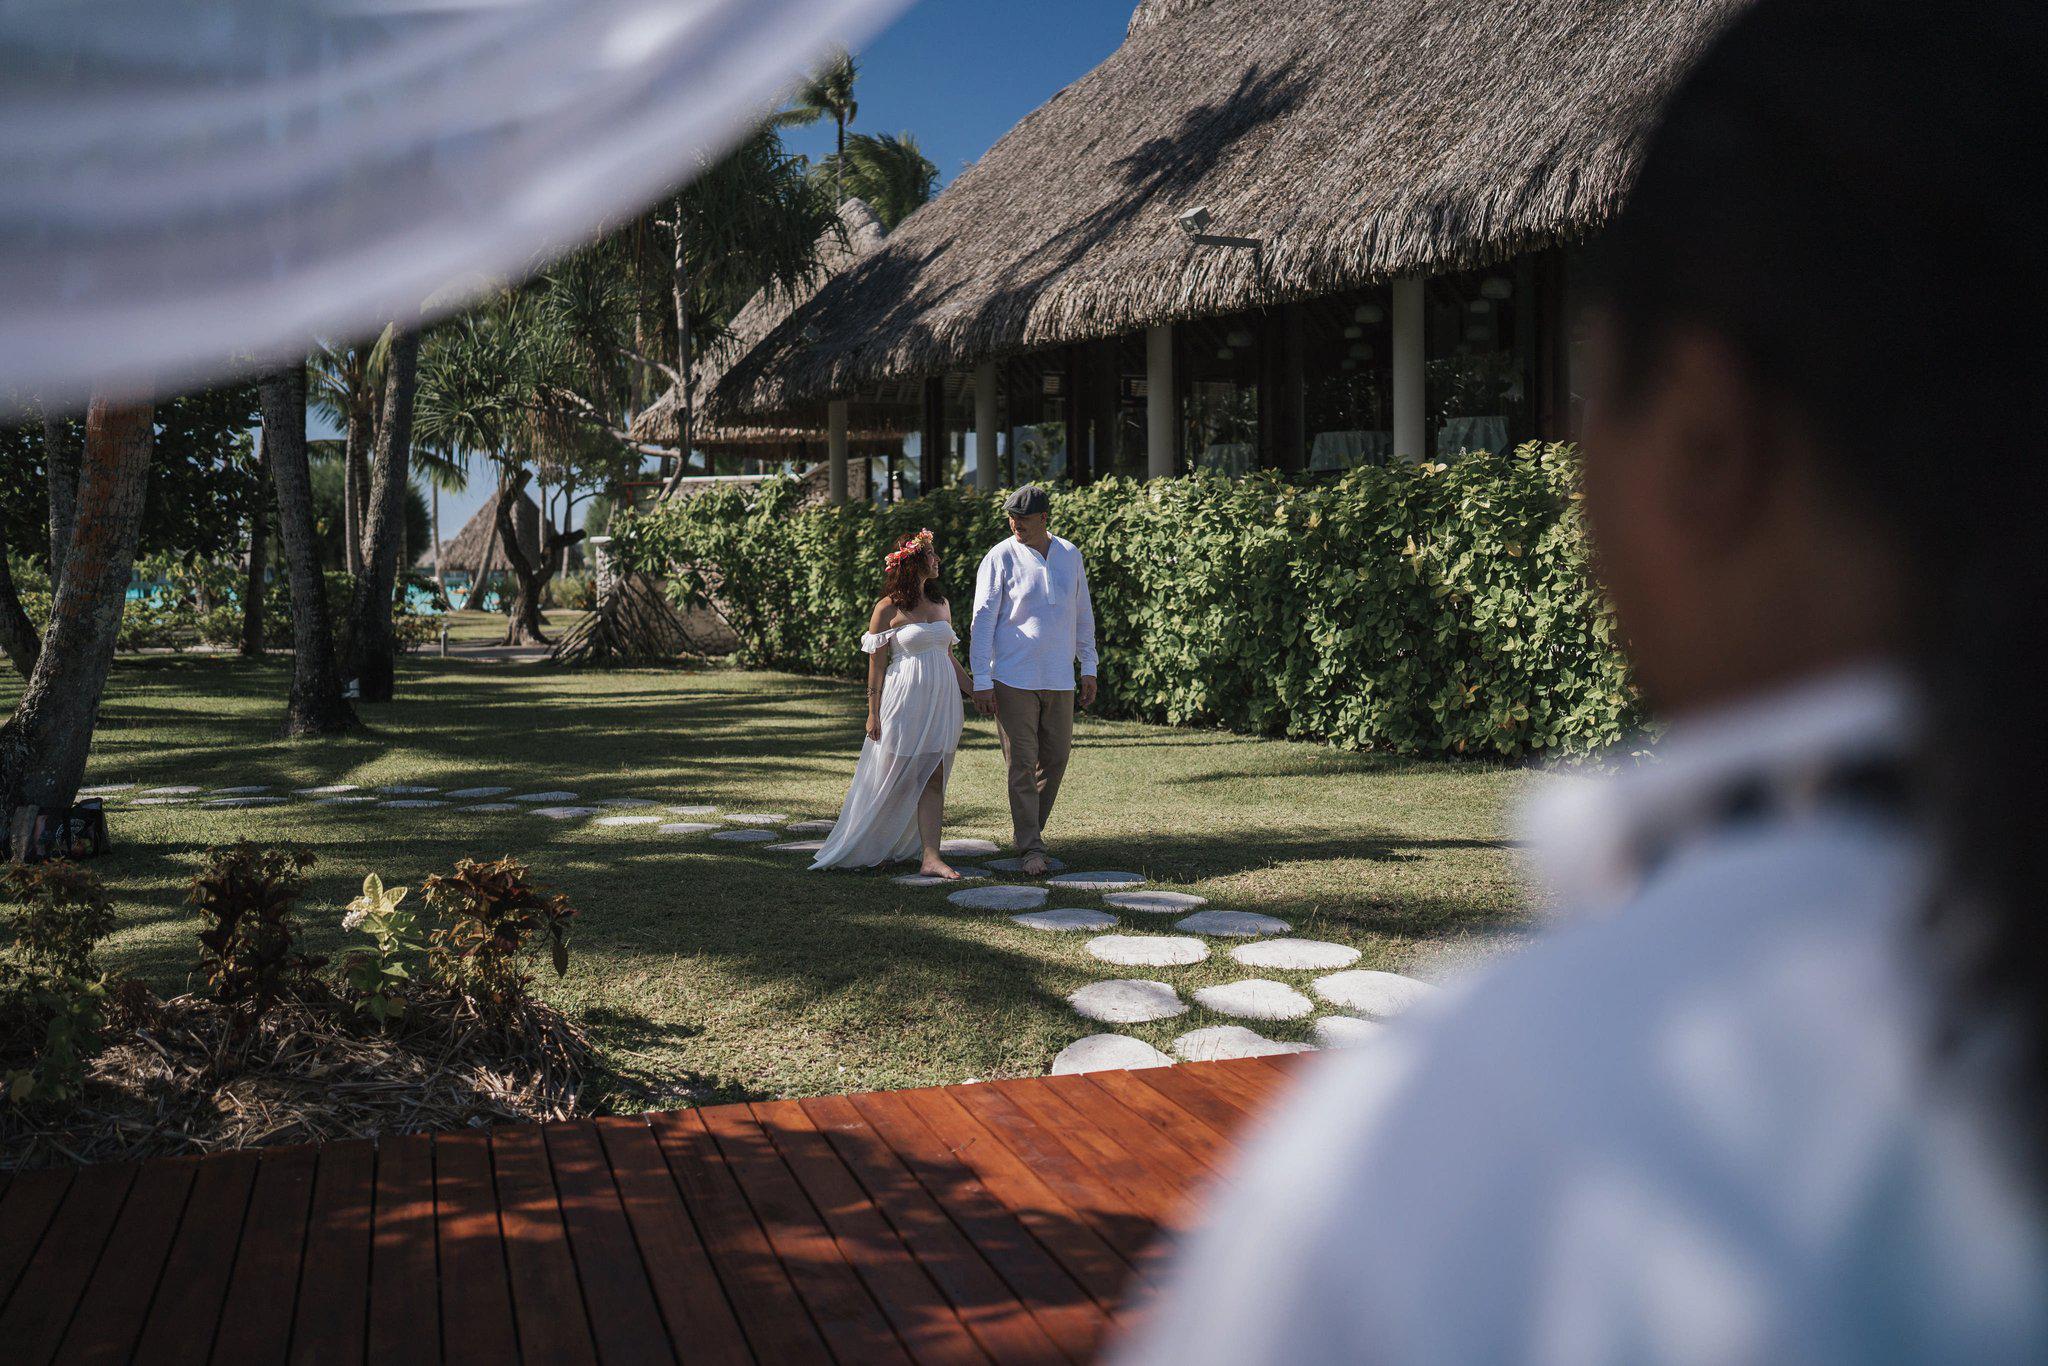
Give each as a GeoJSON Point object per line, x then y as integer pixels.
{"type": "Point", "coordinates": [382, 976]}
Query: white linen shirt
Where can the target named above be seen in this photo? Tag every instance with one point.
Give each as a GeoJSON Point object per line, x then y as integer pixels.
{"type": "Point", "coordinates": [1032, 618]}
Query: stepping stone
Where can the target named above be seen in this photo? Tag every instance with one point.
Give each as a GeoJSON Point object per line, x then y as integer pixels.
{"type": "Point", "coordinates": [246, 801]}
{"type": "Point", "coordinates": [1107, 1053]}
{"type": "Point", "coordinates": [347, 799]}
{"type": "Point", "coordinates": [630, 820]}
{"type": "Point", "coordinates": [743, 836]}
{"type": "Point", "coordinates": [796, 827]}
{"type": "Point", "coordinates": [488, 806]}
{"type": "Point", "coordinates": [104, 789]}
{"type": "Point", "coordinates": [684, 828]}
{"type": "Point", "coordinates": [405, 789]}
{"type": "Point", "coordinates": [964, 846]}
{"type": "Point", "coordinates": [1157, 903]}
{"type": "Point", "coordinates": [694, 810]}
{"type": "Point", "coordinates": [331, 790]}
{"type": "Point", "coordinates": [168, 791]}
{"type": "Point", "coordinates": [546, 797]}
{"type": "Point", "coordinates": [1295, 955]}
{"type": "Point", "coordinates": [1016, 865]}
{"type": "Point", "coordinates": [1066, 918]}
{"type": "Point", "coordinates": [565, 813]}
{"type": "Point", "coordinates": [157, 801]}
{"type": "Point", "coordinates": [1256, 998]}
{"type": "Point", "coordinates": [1371, 993]}
{"type": "Point", "coordinates": [415, 803]}
{"type": "Point", "coordinates": [1128, 1001]}
{"type": "Point", "coordinates": [999, 898]}
{"type": "Point", "coordinates": [1219, 1042]}
{"type": "Point", "coordinates": [798, 846]}
{"type": "Point", "coordinates": [1096, 882]}
{"type": "Point", "coordinates": [1242, 924]}
{"type": "Point", "coordinates": [967, 873]}
{"type": "Point", "coordinates": [1148, 950]}
{"type": "Point", "coordinates": [470, 794]}
{"type": "Point", "coordinates": [626, 803]}
{"type": "Point", "coordinates": [756, 817]}
{"type": "Point", "coordinates": [1342, 1031]}
{"type": "Point", "coordinates": [240, 791]}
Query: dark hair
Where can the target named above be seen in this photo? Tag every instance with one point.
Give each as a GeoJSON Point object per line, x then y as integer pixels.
{"type": "Point", "coordinates": [900, 581]}
{"type": "Point", "coordinates": [1849, 193]}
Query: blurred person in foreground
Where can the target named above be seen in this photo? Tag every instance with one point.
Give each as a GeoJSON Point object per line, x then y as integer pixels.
{"type": "Point", "coordinates": [1776, 1092]}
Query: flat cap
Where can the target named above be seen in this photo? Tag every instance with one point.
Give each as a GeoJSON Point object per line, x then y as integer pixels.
{"type": "Point", "coordinates": [1029, 501]}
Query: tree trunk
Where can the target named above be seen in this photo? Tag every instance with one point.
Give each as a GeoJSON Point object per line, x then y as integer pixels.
{"type": "Point", "coordinates": [372, 642]}
{"type": "Point", "coordinates": [43, 745]}
{"type": "Point", "coordinates": [316, 706]}
{"type": "Point", "coordinates": [60, 467]}
{"type": "Point", "coordinates": [474, 600]}
{"type": "Point", "coordinates": [440, 578]}
{"type": "Point", "coordinates": [259, 556]}
{"type": "Point", "coordinates": [525, 626]}
{"type": "Point", "coordinates": [355, 479]}
{"type": "Point", "coordinates": [18, 636]}
{"type": "Point", "coordinates": [679, 286]}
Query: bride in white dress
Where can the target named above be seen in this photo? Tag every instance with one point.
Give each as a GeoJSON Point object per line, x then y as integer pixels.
{"type": "Point", "coordinates": [915, 692]}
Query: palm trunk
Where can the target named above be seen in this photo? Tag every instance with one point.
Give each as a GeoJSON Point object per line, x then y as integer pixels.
{"type": "Point", "coordinates": [60, 468]}
{"type": "Point", "coordinates": [373, 643]}
{"type": "Point", "coordinates": [259, 556]}
{"type": "Point", "coordinates": [440, 579]}
{"type": "Point", "coordinates": [355, 479]}
{"type": "Point", "coordinates": [679, 286]}
{"type": "Point", "coordinates": [316, 705]}
{"type": "Point", "coordinates": [43, 745]}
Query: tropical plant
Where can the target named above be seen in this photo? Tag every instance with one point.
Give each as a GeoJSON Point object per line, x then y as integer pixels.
{"type": "Point", "coordinates": [827, 94]}
{"type": "Point", "coordinates": [52, 999]}
{"type": "Point", "coordinates": [381, 976]}
{"type": "Point", "coordinates": [889, 171]}
{"type": "Point", "coordinates": [60, 912]}
{"type": "Point", "coordinates": [247, 901]}
{"type": "Point", "coordinates": [316, 704]}
{"type": "Point", "coordinates": [491, 914]}
{"type": "Point", "coordinates": [346, 384]}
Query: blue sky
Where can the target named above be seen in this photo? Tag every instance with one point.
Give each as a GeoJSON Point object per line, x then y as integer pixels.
{"type": "Point", "coordinates": [958, 74]}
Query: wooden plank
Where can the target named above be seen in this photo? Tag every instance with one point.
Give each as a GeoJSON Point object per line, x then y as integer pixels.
{"type": "Point", "coordinates": [186, 1311]}
{"type": "Point", "coordinates": [476, 1290]}
{"type": "Point", "coordinates": [116, 1300]}
{"type": "Point", "coordinates": [920, 1314]}
{"type": "Point", "coordinates": [31, 1201]}
{"type": "Point", "coordinates": [405, 1295]}
{"type": "Point", "coordinates": [547, 1303]}
{"type": "Point", "coordinates": [977, 1276]}
{"type": "Point", "coordinates": [1157, 1151]}
{"type": "Point", "coordinates": [256, 1319]}
{"type": "Point", "coordinates": [777, 1323]}
{"type": "Point", "coordinates": [1247, 1079]}
{"type": "Point", "coordinates": [623, 1316]}
{"type": "Point", "coordinates": [40, 1308]}
{"type": "Point", "coordinates": [1177, 1124]}
{"type": "Point", "coordinates": [686, 1288]}
{"type": "Point", "coordinates": [1174, 1083]}
{"type": "Point", "coordinates": [847, 1316]}
{"type": "Point", "coordinates": [332, 1313]}
{"type": "Point", "coordinates": [1122, 1150]}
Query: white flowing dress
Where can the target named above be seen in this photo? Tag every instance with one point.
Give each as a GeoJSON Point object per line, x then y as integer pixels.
{"type": "Point", "coordinates": [921, 720]}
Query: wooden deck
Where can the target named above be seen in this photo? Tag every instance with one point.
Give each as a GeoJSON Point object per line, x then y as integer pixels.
{"type": "Point", "coordinates": [1007, 1221]}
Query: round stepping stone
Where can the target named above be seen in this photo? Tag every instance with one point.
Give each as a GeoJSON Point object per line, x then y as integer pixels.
{"type": "Point", "coordinates": [626, 803]}
{"type": "Point", "coordinates": [630, 820]}
{"type": "Point", "coordinates": [1107, 1053]}
{"type": "Point", "coordinates": [967, 872]}
{"type": "Point", "coordinates": [405, 789]}
{"type": "Point", "coordinates": [564, 813]}
{"type": "Point", "coordinates": [240, 791]}
{"type": "Point", "coordinates": [1342, 1031]}
{"type": "Point", "coordinates": [246, 801]}
{"type": "Point", "coordinates": [684, 828]}
{"type": "Point", "coordinates": [1256, 998]}
{"type": "Point", "coordinates": [104, 789]}
{"type": "Point", "coordinates": [1242, 924]}
{"type": "Point", "coordinates": [1156, 903]}
{"type": "Point", "coordinates": [168, 791]}
{"type": "Point", "coordinates": [470, 794]}
{"type": "Point", "coordinates": [756, 817]}
{"type": "Point", "coordinates": [416, 803]}
{"type": "Point", "coordinates": [1295, 955]}
{"type": "Point", "coordinates": [1219, 1042]}
{"type": "Point", "coordinates": [743, 836]}
{"type": "Point", "coordinates": [331, 790]}
{"type": "Point", "coordinates": [1016, 865]}
{"type": "Point", "coordinates": [347, 799]}
{"type": "Point", "coordinates": [694, 810]}
{"type": "Point", "coordinates": [796, 827]}
{"type": "Point", "coordinates": [157, 801]}
{"type": "Point", "coordinates": [545, 797]}
{"type": "Point", "coordinates": [1131, 1000]}
{"type": "Point", "coordinates": [798, 846]}
{"type": "Point", "coordinates": [488, 806]}
{"type": "Point", "coordinates": [998, 898]}
{"type": "Point", "coordinates": [1371, 993]}
{"type": "Point", "coordinates": [1096, 882]}
{"type": "Point", "coordinates": [966, 846]}
{"type": "Point", "coordinates": [1066, 918]}
{"type": "Point", "coordinates": [1148, 950]}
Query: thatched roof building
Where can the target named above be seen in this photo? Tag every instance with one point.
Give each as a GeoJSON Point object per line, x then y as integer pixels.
{"type": "Point", "coordinates": [465, 554]}
{"type": "Point", "coordinates": [1355, 141]}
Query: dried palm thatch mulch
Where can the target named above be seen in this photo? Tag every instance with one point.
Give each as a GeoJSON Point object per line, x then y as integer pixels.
{"type": "Point", "coordinates": [178, 1078]}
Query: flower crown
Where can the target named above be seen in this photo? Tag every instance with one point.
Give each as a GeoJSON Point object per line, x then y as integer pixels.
{"type": "Point", "coordinates": [911, 545]}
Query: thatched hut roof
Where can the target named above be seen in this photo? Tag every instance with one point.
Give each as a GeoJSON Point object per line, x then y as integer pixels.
{"type": "Point", "coordinates": [859, 233]}
{"type": "Point", "coordinates": [464, 554]}
{"type": "Point", "coordinates": [1359, 139]}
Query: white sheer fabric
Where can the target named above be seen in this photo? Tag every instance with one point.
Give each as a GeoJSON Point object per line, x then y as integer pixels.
{"type": "Point", "coordinates": [921, 720]}
{"type": "Point", "coordinates": [186, 182]}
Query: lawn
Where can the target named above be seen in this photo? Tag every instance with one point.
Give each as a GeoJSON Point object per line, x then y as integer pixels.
{"type": "Point", "coordinates": [710, 970]}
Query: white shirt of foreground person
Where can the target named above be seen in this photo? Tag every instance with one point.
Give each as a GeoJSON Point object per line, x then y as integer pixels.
{"type": "Point", "coordinates": [1709, 1126]}
{"type": "Point", "coordinates": [1032, 618]}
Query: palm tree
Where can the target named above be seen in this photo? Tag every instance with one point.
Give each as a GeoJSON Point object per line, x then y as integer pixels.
{"type": "Point", "coordinates": [889, 171]}
{"type": "Point", "coordinates": [373, 648]}
{"type": "Point", "coordinates": [316, 705]}
{"type": "Point", "coordinates": [346, 384]}
{"type": "Point", "coordinates": [827, 94]}
{"type": "Point", "coordinates": [442, 470]}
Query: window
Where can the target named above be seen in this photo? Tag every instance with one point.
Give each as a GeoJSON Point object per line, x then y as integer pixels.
{"type": "Point", "coordinates": [1219, 365]}
{"type": "Point", "coordinates": [1347, 380]}
{"type": "Point", "coordinates": [1480, 340]}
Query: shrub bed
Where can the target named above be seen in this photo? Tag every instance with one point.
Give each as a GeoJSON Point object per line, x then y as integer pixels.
{"type": "Point", "coordinates": [1422, 609]}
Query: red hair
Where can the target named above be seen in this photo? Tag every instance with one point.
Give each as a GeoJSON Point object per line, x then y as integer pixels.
{"type": "Point", "coordinates": [911, 572]}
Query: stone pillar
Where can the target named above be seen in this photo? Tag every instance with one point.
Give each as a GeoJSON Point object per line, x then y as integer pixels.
{"type": "Point", "coordinates": [835, 436]}
{"type": "Point", "coordinates": [1410, 403]}
{"type": "Point", "coordinates": [988, 475]}
{"type": "Point", "coordinates": [1162, 417]}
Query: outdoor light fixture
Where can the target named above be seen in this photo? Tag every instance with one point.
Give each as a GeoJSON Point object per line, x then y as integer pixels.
{"type": "Point", "coordinates": [1497, 287]}
{"type": "Point", "coordinates": [1479, 306]}
{"type": "Point", "coordinates": [1354, 332]}
{"type": "Point", "coordinates": [1369, 313]}
{"type": "Point", "coordinates": [1195, 221]}
{"type": "Point", "coordinates": [1238, 338]}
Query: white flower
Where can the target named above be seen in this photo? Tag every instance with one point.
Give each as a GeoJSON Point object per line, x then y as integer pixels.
{"type": "Point", "coordinates": [353, 920]}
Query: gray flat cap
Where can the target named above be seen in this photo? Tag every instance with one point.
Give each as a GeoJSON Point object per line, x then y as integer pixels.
{"type": "Point", "coordinates": [1029, 501]}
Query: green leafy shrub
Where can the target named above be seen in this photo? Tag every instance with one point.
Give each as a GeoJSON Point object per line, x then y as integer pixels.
{"type": "Point", "coordinates": [247, 898]}
{"type": "Point", "coordinates": [576, 592]}
{"type": "Point", "coordinates": [1422, 609]}
{"type": "Point", "coordinates": [491, 914]}
{"type": "Point", "coordinates": [381, 976]}
{"type": "Point", "coordinates": [52, 1001]}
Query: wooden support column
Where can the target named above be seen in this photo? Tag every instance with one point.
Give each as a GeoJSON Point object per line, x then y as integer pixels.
{"type": "Point", "coordinates": [835, 449]}
{"type": "Point", "coordinates": [932, 447]}
{"type": "Point", "coordinates": [1162, 411]}
{"type": "Point", "coordinates": [988, 473]}
{"type": "Point", "coordinates": [1282, 392]}
{"type": "Point", "coordinates": [1410, 400]}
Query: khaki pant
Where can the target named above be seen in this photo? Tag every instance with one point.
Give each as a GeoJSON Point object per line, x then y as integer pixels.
{"type": "Point", "coordinates": [1037, 730]}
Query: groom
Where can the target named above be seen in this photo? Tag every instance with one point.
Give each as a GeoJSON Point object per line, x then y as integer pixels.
{"type": "Point", "coordinates": [1032, 618]}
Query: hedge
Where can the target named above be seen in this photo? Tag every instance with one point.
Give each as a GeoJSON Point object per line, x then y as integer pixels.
{"type": "Point", "coordinates": [1420, 609]}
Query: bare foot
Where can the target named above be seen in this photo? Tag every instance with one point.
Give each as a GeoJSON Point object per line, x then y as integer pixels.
{"type": "Point", "coordinates": [938, 867]}
{"type": "Point", "coordinates": [1034, 865]}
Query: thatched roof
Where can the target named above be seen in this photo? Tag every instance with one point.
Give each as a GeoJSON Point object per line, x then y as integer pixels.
{"type": "Point", "coordinates": [859, 233]}
{"type": "Point", "coordinates": [1359, 139]}
{"type": "Point", "coordinates": [464, 554]}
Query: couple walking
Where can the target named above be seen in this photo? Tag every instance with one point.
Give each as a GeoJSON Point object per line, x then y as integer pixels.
{"type": "Point", "coordinates": [1032, 621]}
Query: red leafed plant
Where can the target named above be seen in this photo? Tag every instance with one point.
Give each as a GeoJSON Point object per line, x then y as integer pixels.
{"type": "Point", "coordinates": [491, 913]}
{"type": "Point", "coordinates": [246, 897]}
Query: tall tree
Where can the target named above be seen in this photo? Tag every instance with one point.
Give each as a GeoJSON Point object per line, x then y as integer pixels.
{"type": "Point", "coordinates": [887, 170]}
{"type": "Point", "coordinates": [60, 471]}
{"type": "Point", "coordinates": [258, 561]}
{"type": "Point", "coordinates": [373, 646]}
{"type": "Point", "coordinates": [316, 705]}
{"type": "Point", "coordinates": [347, 384]}
{"type": "Point", "coordinates": [827, 94]}
{"type": "Point", "coordinates": [43, 745]}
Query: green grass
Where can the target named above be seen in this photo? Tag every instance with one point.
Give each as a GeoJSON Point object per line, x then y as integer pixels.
{"type": "Point", "coordinates": [711, 970]}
